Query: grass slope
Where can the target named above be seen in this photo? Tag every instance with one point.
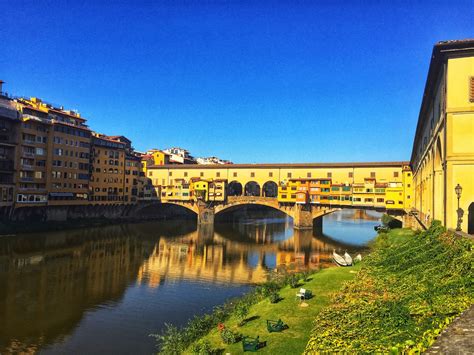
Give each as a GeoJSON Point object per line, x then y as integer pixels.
{"type": "Point", "coordinates": [299, 319]}
{"type": "Point", "coordinates": [409, 288]}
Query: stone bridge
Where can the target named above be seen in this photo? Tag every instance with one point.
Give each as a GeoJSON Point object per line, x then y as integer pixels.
{"type": "Point", "coordinates": [304, 216]}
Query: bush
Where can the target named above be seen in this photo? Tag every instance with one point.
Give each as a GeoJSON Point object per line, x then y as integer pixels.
{"type": "Point", "coordinates": [268, 288]}
{"type": "Point", "coordinates": [390, 222]}
{"type": "Point", "coordinates": [241, 311]}
{"type": "Point", "coordinates": [274, 297]}
{"type": "Point", "coordinates": [202, 348]}
{"type": "Point", "coordinates": [230, 337]}
{"type": "Point", "coordinates": [172, 341]}
{"type": "Point", "coordinates": [293, 280]}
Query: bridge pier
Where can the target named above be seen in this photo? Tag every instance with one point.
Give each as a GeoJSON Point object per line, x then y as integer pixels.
{"type": "Point", "coordinates": [303, 218]}
{"type": "Point", "coordinates": [205, 215]}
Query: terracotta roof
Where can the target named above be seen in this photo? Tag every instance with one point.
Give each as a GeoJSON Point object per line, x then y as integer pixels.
{"type": "Point", "coordinates": [397, 164]}
{"type": "Point", "coordinates": [67, 114]}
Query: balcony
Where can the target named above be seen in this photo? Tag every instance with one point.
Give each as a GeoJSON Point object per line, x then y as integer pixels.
{"type": "Point", "coordinates": [26, 179]}
{"type": "Point", "coordinates": [27, 167]}
{"type": "Point", "coordinates": [7, 139]}
{"type": "Point", "coordinates": [27, 154]}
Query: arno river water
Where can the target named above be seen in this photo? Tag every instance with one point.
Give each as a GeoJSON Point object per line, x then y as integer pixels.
{"type": "Point", "coordinates": [105, 289]}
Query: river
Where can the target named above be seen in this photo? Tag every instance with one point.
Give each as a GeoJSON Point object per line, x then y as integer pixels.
{"type": "Point", "coordinates": [105, 289]}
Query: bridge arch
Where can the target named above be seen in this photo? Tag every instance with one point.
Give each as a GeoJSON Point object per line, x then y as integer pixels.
{"type": "Point", "coordinates": [235, 205]}
{"type": "Point", "coordinates": [270, 189]}
{"type": "Point", "coordinates": [234, 189]}
{"type": "Point", "coordinates": [252, 188]}
{"type": "Point", "coordinates": [163, 209]}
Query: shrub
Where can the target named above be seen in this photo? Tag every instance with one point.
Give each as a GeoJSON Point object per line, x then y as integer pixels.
{"type": "Point", "coordinates": [202, 347]}
{"type": "Point", "coordinates": [274, 297]}
{"type": "Point", "coordinates": [293, 280]}
{"type": "Point", "coordinates": [268, 288]}
{"type": "Point", "coordinates": [391, 222]}
{"type": "Point", "coordinates": [172, 340]}
{"type": "Point", "coordinates": [241, 311]}
{"type": "Point", "coordinates": [230, 337]}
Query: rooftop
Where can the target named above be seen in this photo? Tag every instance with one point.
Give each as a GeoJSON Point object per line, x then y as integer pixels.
{"type": "Point", "coordinates": [397, 164]}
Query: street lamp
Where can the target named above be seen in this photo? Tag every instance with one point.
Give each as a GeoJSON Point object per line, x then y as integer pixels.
{"type": "Point", "coordinates": [458, 190]}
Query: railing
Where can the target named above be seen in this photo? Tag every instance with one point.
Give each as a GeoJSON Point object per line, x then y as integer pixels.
{"type": "Point", "coordinates": [27, 167]}
{"type": "Point", "coordinates": [28, 154]}
{"type": "Point", "coordinates": [26, 179]}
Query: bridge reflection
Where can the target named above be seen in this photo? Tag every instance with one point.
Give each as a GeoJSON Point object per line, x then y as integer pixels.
{"type": "Point", "coordinates": [237, 255]}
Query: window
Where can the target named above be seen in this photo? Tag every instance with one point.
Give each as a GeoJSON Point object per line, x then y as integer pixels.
{"type": "Point", "coordinates": [252, 174]}
{"type": "Point", "coordinates": [308, 175]}
{"type": "Point", "coordinates": [40, 151]}
{"type": "Point", "coordinates": [270, 174]}
{"type": "Point", "coordinates": [395, 174]}
{"type": "Point", "coordinates": [289, 175]}
{"type": "Point", "coordinates": [351, 175]}
{"type": "Point", "coordinates": [185, 174]}
{"type": "Point", "coordinates": [471, 89]}
{"type": "Point", "coordinates": [235, 174]}
{"type": "Point", "coordinates": [201, 174]}
{"type": "Point", "coordinates": [218, 174]}
{"type": "Point", "coordinates": [170, 173]}
{"type": "Point", "coordinates": [372, 174]}
{"type": "Point", "coordinates": [329, 175]}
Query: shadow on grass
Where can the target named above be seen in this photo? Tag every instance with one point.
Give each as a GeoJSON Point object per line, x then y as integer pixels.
{"type": "Point", "coordinates": [277, 300]}
{"type": "Point", "coordinates": [247, 320]}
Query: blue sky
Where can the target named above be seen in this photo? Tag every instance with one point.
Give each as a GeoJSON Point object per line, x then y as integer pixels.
{"type": "Point", "coordinates": [321, 81]}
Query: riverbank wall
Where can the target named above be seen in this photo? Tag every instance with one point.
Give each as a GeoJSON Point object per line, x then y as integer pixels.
{"type": "Point", "coordinates": [40, 218]}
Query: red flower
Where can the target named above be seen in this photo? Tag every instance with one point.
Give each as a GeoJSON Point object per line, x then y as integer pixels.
{"type": "Point", "coordinates": [221, 327]}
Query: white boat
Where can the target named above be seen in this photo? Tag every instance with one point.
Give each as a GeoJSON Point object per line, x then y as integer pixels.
{"type": "Point", "coordinates": [339, 260]}
{"type": "Point", "coordinates": [348, 259]}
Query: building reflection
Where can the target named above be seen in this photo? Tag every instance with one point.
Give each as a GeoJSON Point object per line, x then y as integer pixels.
{"type": "Point", "coordinates": [51, 281]}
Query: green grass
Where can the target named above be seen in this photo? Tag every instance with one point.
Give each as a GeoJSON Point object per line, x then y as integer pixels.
{"type": "Point", "coordinates": [409, 288]}
{"type": "Point", "coordinates": [293, 340]}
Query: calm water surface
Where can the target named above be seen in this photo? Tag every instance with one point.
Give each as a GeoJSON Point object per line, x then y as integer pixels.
{"type": "Point", "coordinates": [104, 289]}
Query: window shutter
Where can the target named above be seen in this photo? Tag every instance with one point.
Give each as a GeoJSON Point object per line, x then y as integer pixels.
{"type": "Point", "coordinates": [471, 89]}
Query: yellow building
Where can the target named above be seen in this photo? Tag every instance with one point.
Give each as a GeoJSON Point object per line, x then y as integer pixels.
{"type": "Point", "coordinates": [443, 149]}
{"type": "Point", "coordinates": [217, 190]}
{"type": "Point", "coordinates": [199, 189]}
{"type": "Point", "coordinates": [155, 157]}
{"type": "Point", "coordinates": [287, 191]}
{"type": "Point", "coordinates": [379, 194]}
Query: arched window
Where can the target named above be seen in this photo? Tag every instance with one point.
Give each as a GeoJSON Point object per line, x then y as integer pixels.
{"type": "Point", "coordinates": [234, 189]}
{"type": "Point", "coordinates": [270, 189]}
{"type": "Point", "coordinates": [252, 189]}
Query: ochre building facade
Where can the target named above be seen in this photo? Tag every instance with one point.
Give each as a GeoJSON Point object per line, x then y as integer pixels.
{"type": "Point", "coordinates": [443, 149]}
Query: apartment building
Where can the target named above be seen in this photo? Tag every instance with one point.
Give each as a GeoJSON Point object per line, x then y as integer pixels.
{"type": "Point", "coordinates": [9, 133]}
{"type": "Point", "coordinates": [107, 170]}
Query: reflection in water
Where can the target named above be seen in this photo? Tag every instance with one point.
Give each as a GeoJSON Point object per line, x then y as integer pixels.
{"type": "Point", "coordinates": [105, 289]}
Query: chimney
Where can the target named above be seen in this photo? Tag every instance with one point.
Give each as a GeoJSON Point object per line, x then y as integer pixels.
{"type": "Point", "coordinates": [1, 84]}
